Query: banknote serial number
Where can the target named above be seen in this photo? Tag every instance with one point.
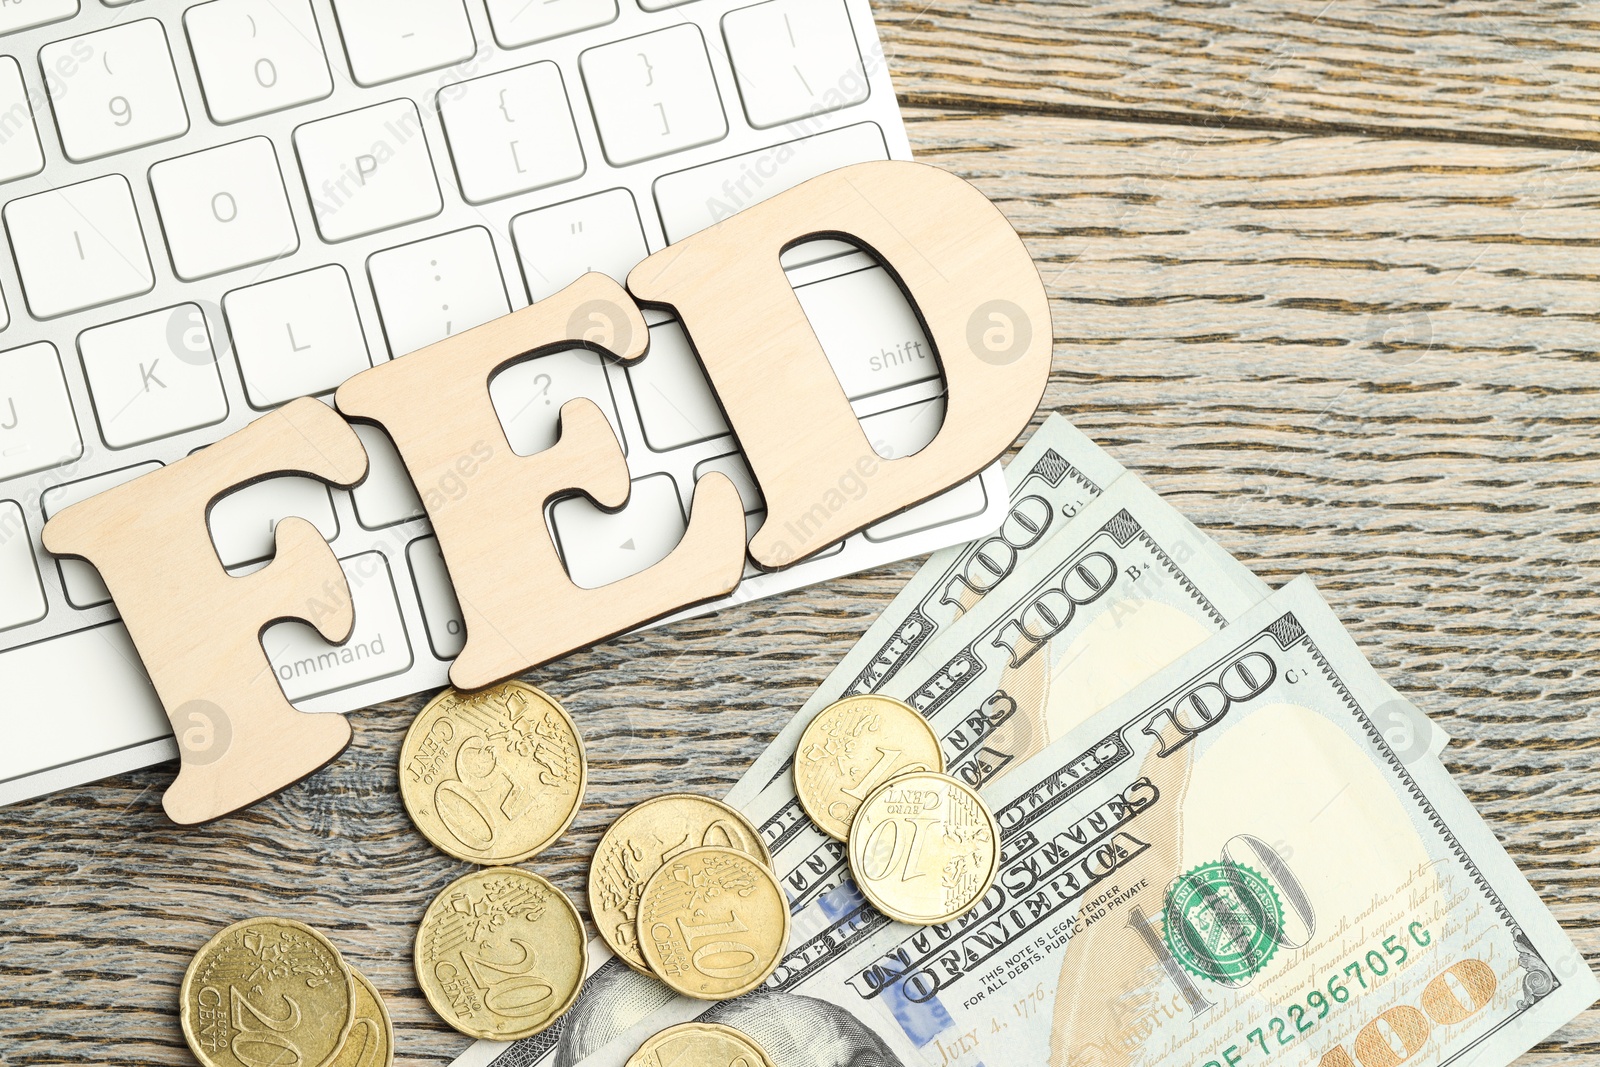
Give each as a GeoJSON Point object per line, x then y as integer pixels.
{"type": "Point", "coordinates": [1364, 970]}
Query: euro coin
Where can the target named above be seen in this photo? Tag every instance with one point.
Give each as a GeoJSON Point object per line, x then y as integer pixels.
{"type": "Point", "coordinates": [501, 954]}
{"type": "Point", "coordinates": [371, 1040]}
{"type": "Point", "coordinates": [493, 777]}
{"type": "Point", "coordinates": [267, 991]}
{"type": "Point", "coordinates": [924, 848]}
{"type": "Point", "coordinates": [636, 845]}
{"type": "Point", "coordinates": [851, 748]}
{"type": "Point", "coordinates": [713, 923]}
{"type": "Point", "coordinates": [700, 1045]}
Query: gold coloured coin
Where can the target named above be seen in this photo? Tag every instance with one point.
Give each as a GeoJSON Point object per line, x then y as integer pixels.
{"type": "Point", "coordinates": [636, 845]}
{"type": "Point", "coordinates": [495, 776]}
{"type": "Point", "coordinates": [501, 954]}
{"type": "Point", "coordinates": [713, 923]}
{"type": "Point", "coordinates": [850, 749]}
{"type": "Point", "coordinates": [924, 848]}
{"type": "Point", "coordinates": [371, 1040]}
{"type": "Point", "coordinates": [267, 991]}
{"type": "Point", "coordinates": [700, 1045]}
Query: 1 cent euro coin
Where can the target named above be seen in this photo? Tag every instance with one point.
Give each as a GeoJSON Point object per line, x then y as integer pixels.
{"type": "Point", "coordinates": [494, 776]}
{"type": "Point", "coordinates": [700, 1045]}
{"type": "Point", "coordinates": [501, 954]}
{"type": "Point", "coordinates": [713, 923]}
{"type": "Point", "coordinates": [267, 991]}
{"type": "Point", "coordinates": [639, 842]}
{"type": "Point", "coordinates": [924, 848]}
{"type": "Point", "coordinates": [851, 748]}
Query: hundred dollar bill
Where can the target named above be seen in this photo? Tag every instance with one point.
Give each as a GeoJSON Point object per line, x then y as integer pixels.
{"type": "Point", "coordinates": [1126, 588]}
{"type": "Point", "coordinates": [1228, 867]}
{"type": "Point", "coordinates": [1057, 474]}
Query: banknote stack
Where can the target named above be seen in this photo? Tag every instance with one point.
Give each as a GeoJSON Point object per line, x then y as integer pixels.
{"type": "Point", "coordinates": [1224, 839]}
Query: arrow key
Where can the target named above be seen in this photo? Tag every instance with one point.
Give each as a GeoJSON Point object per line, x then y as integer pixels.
{"type": "Point", "coordinates": [599, 549]}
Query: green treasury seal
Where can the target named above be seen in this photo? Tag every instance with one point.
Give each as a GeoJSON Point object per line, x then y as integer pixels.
{"type": "Point", "coordinates": [1223, 921]}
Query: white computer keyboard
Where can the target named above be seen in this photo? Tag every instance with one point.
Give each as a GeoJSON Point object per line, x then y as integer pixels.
{"type": "Point", "coordinates": [213, 208]}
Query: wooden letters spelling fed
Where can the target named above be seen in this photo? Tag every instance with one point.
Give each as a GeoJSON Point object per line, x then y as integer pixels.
{"type": "Point", "coordinates": [198, 629]}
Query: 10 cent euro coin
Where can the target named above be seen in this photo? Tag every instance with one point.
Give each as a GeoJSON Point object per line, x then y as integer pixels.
{"type": "Point", "coordinates": [267, 991]}
{"type": "Point", "coordinates": [494, 776]}
{"type": "Point", "coordinates": [501, 954]}
{"type": "Point", "coordinates": [713, 923]}
{"type": "Point", "coordinates": [924, 848]}
{"type": "Point", "coordinates": [700, 1045]}
{"type": "Point", "coordinates": [851, 748]}
{"type": "Point", "coordinates": [639, 842]}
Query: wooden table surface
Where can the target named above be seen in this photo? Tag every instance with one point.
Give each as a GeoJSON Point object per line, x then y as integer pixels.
{"type": "Point", "coordinates": [1326, 273]}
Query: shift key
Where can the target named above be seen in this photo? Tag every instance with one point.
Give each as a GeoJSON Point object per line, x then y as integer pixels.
{"type": "Point", "coordinates": [307, 666]}
{"type": "Point", "coordinates": [871, 336]}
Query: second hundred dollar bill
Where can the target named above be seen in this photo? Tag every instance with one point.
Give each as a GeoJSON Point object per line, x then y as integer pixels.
{"type": "Point", "coordinates": [1129, 586]}
{"type": "Point", "coordinates": [1228, 867]}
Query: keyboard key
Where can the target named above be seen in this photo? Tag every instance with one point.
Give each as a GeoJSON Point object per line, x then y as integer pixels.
{"type": "Point", "coordinates": [794, 58]}
{"type": "Point", "coordinates": [431, 289]}
{"type": "Point", "coordinates": [224, 208]}
{"type": "Point", "coordinates": [113, 709]}
{"type": "Point", "coordinates": [871, 336]}
{"type": "Point", "coordinates": [693, 199]}
{"type": "Point", "coordinates": [21, 595]}
{"type": "Point", "coordinates": [676, 404]}
{"type": "Point", "coordinates": [661, 5]}
{"type": "Point", "coordinates": [387, 40]}
{"type": "Point", "coordinates": [441, 612]}
{"type": "Point", "coordinates": [600, 548]}
{"type": "Point", "coordinates": [257, 56]}
{"type": "Point", "coordinates": [244, 524]}
{"type": "Point", "coordinates": [296, 336]}
{"type": "Point", "coordinates": [22, 14]}
{"type": "Point", "coordinates": [82, 582]}
{"type": "Point", "coordinates": [37, 430]}
{"type": "Point", "coordinates": [519, 22]}
{"type": "Point", "coordinates": [114, 89]}
{"type": "Point", "coordinates": [903, 432]}
{"type": "Point", "coordinates": [20, 154]}
{"type": "Point", "coordinates": [352, 193]}
{"type": "Point", "coordinates": [387, 496]}
{"type": "Point", "coordinates": [528, 396]}
{"type": "Point", "coordinates": [739, 473]}
{"type": "Point", "coordinates": [152, 376]}
{"type": "Point", "coordinates": [79, 246]}
{"type": "Point", "coordinates": [653, 95]}
{"type": "Point", "coordinates": [308, 666]}
{"type": "Point", "coordinates": [560, 244]}
{"type": "Point", "coordinates": [511, 132]}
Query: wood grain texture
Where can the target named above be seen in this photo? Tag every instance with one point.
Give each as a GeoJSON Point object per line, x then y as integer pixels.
{"type": "Point", "coordinates": [1503, 71]}
{"type": "Point", "coordinates": [1374, 361]}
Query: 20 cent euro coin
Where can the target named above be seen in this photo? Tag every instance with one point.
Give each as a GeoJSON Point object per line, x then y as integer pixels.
{"type": "Point", "coordinates": [494, 776]}
{"type": "Point", "coordinates": [501, 954]}
{"type": "Point", "coordinates": [267, 991]}
{"type": "Point", "coordinates": [700, 1045]}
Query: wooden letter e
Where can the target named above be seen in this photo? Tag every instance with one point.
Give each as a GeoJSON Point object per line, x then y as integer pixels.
{"type": "Point", "coordinates": [520, 607]}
